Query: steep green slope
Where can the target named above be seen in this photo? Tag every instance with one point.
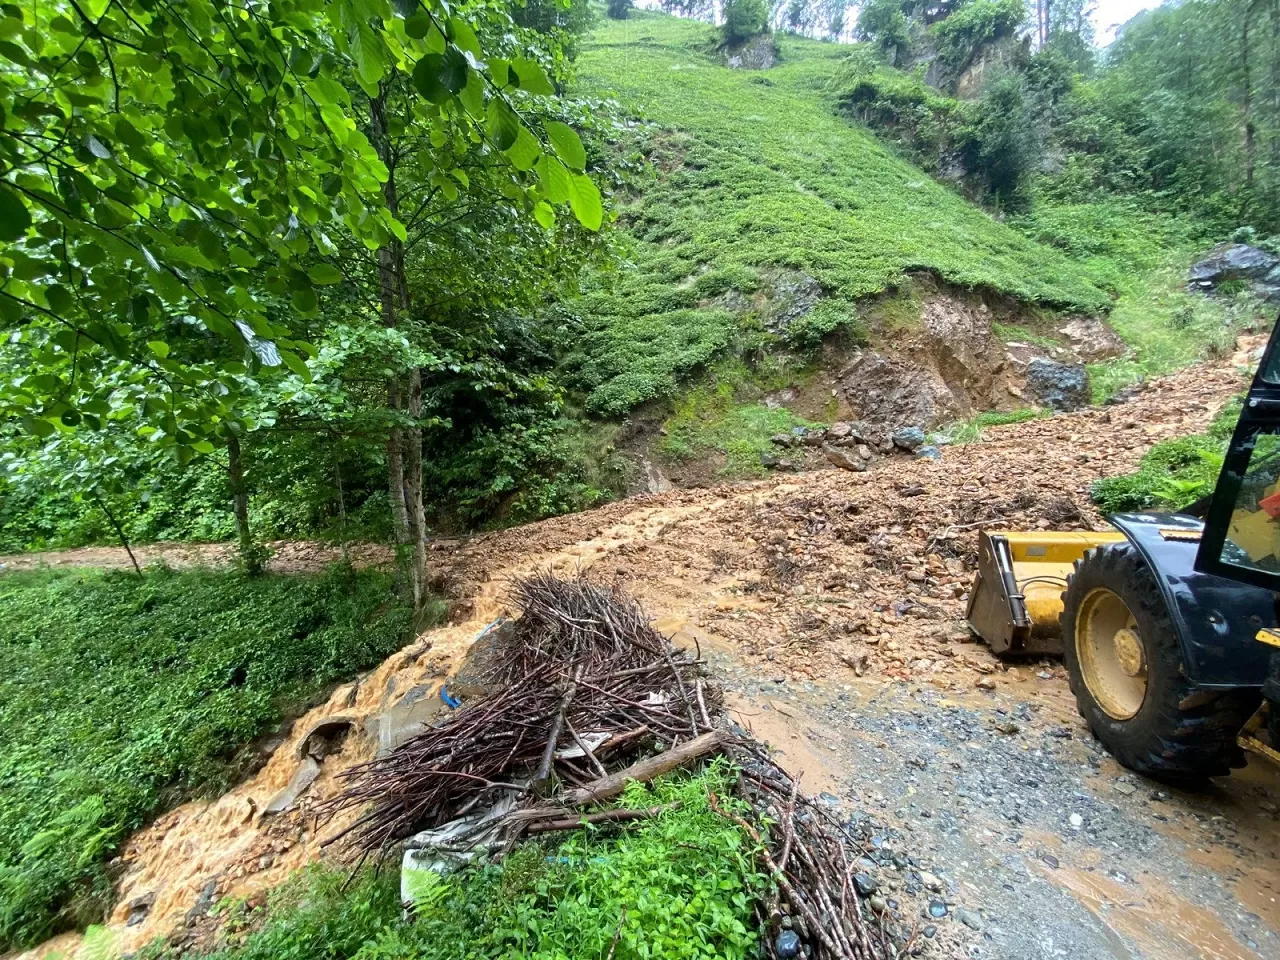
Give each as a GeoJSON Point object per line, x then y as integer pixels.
{"type": "Point", "coordinates": [755, 172]}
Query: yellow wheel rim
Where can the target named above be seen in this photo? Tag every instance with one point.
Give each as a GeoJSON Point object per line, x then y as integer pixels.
{"type": "Point", "coordinates": [1111, 653]}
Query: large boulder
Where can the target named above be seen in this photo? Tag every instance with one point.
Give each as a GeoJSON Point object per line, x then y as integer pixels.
{"type": "Point", "coordinates": [1060, 386]}
{"type": "Point", "coordinates": [1231, 261]}
{"type": "Point", "coordinates": [845, 459]}
{"type": "Point", "coordinates": [1092, 340]}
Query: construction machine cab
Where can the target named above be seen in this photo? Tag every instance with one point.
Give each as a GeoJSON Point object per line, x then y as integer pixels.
{"type": "Point", "coordinates": [1167, 625]}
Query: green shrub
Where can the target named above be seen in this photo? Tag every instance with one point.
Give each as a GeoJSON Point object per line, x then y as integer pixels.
{"type": "Point", "coordinates": [680, 885]}
{"type": "Point", "coordinates": [119, 696]}
{"type": "Point", "coordinates": [827, 317]}
{"type": "Point", "coordinates": [744, 19]}
{"type": "Point", "coordinates": [1174, 473]}
{"type": "Point", "coordinates": [973, 24]}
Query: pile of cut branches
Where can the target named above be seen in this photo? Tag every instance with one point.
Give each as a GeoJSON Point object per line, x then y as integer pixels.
{"type": "Point", "coordinates": [585, 697]}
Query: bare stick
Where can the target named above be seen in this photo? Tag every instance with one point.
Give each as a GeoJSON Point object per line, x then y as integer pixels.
{"type": "Point", "coordinates": [643, 770]}
{"type": "Point", "coordinates": [604, 816]}
{"type": "Point", "coordinates": [613, 944]}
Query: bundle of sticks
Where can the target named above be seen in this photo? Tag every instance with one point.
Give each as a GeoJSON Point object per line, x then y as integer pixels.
{"type": "Point", "coordinates": [586, 697]}
{"type": "Point", "coordinates": [580, 668]}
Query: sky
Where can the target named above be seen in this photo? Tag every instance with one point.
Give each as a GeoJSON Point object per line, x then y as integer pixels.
{"type": "Point", "coordinates": [1110, 14]}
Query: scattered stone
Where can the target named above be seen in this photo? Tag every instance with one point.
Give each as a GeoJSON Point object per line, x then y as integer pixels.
{"type": "Point", "coordinates": [931, 881]}
{"type": "Point", "coordinates": [1125, 789]}
{"type": "Point", "coordinates": [865, 883]}
{"type": "Point", "coordinates": [839, 430]}
{"type": "Point", "coordinates": [969, 918]}
{"type": "Point", "coordinates": [1008, 727]}
{"type": "Point", "coordinates": [937, 909]}
{"type": "Point", "coordinates": [1050, 860]}
{"type": "Point", "coordinates": [908, 438]}
{"type": "Point", "coordinates": [288, 795]}
{"type": "Point", "coordinates": [787, 945]}
{"type": "Point", "coordinates": [203, 902]}
{"type": "Point", "coordinates": [1061, 386]}
{"type": "Point", "coordinates": [1076, 821]}
{"type": "Point", "coordinates": [1062, 733]}
{"type": "Point", "coordinates": [813, 438]}
{"type": "Point", "coordinates": [928, 453]}
{"type": "Point", "coordinates": [929, 931]}
{"type": "Point", "coordinates": [845, 460]}
{"type": "Point", "coordinates": [139, 907]}
{"type": "Point", "coordinates": [769, 460]}
{"type": "Point", "coordinates": [1237, 261]}
{"type": "Point", "coordinates": [878, 903]}
{"type": "Point", "coordinates": [863, 451]}
{"type": "Point", "coordinates": [1045, 675]}
{"type": "Point", "coordinates": [784, 439]}
{"type": "Point", "coordinates": [985, 683]}
{"type": "Point", "coordinates": [1092, 340]}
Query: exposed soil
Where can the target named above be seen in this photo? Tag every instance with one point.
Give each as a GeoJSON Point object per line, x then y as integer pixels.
{"type": "Point", "coordinates": [832, 604]}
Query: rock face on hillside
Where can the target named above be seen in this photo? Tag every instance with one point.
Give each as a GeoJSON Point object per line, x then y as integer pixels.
{"type": "Point", "coordinates": [1237, 261]}
{"type": "Point", "coordinates": [951, 367]}
{"type": "Point", "coordinates": [1059, 386]}
{"type": "Point", "coordinates": [758, 53]}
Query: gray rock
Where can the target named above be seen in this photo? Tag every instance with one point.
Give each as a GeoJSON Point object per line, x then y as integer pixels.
{"type": "Point", "coordinates": [845, 460]}
{"type": "Point", "coordinates": [298, 784]}
{"type": "Point", "coordinates": [969, 918]}
{"type": "Point", "coordinates": [865, 883]}
{"type": "Point", "coordinates": [936, 909]}
{"type": "Point", "coordinates": [928, 452]}
{"type": "Point", "coordinates": [1231, 261]}
{"type": "Point", "coordinates": [863, 451]}
{"type": "Point", "coordinates": [769, 460]}
{"type": "Point", "coordinates": [929, 931]}
{"type": "Point", "coordinates": [1060, 386]}
{"type": "Point", "coordinates": [908, 438]}
{"type": "Point", "coordinates": [787, 944]}
{"type": "Point", "coordinates": [839, 430]}
{"type": "Point", "coordinates": [814, 438]}
{"type": "Point", "coordinates": [784, 439]}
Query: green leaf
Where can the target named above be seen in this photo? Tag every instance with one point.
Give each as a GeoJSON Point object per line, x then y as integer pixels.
{"type": "Point", "coordinates": [15, 218]}
{"type": "Point", "coordinates": [296, 364]}
{"type": "Point", "coordinates": [525, 151]}
{"type": "Point", "coordinates": [159, 348]}
{"type": "Point", "coordinates": [202, 446]}
{"type": "Point", "coordinates": [567, 145]}
{"type": "Point", "coordinates": [543, 213]}
{"type": "Point", "coordinates": [242, 257]}
{"type": "Point", "coordinates": [454, 69]}
{"type": "Point", "coordinates": [500, 71]}
{"type": "Point", "coordinates": [426, 78]}
{"type": "Point", "coordinates": [417, 26]}
{"type": "Point", "coordinates": [584, 201]}
{"type": "Point", "coordinates": [532, 78]}
{"type": "Point", "coordinates": [304, 301]}
{"type": "Point", "coordinates": [472, 96]}
{"type": "Point", "coordinates": [460, 33]}
{"type": "Point", "coordinates": [502, 125]}
{"type": "Point", "coordinates": [325, 273]}
{"type": "Point", "coordinates": [554, 177]}
{"type": "Point", "coordinates": [97, 147]}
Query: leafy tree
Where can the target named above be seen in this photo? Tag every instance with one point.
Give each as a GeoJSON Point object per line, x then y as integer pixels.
{"type": "Point", "coordinates": [1000, 139]}
{"type": "Point", "coordinates": [885, 23]}
{"type": "Point", "coordinates": [173, 174]}
{"type": "Point", "coordinates": [618, 9]}
{"type": "Point", "coordinates": [744, 19]}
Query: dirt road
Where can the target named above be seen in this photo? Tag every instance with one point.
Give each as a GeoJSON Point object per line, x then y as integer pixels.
{"type": "Point", "coordinates": [831, 604]}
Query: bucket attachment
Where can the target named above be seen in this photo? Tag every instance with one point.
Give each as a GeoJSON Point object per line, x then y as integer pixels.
{"type": "Point", "coordinates": [1016, 598]}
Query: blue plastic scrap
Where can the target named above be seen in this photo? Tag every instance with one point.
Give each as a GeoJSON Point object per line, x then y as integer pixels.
{"type": "Point", "coordinates": [450, 701]}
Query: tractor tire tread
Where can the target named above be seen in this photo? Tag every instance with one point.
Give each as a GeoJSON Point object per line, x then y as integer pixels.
{"type": "Point", "coordinates": [1164, 739]}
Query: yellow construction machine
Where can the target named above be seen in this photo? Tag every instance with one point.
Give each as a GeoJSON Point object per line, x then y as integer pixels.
{"type": "Point", "coordinates": [1167, 625]}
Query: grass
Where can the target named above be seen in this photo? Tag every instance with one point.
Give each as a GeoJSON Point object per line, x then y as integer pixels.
{"type": "Point", "coordinates": [679, 886]}
{"type": "Point", "coordinates": [755, 174]}
{"type": "Point", "coordinates": [1143, 258]}
{"type": "Point", "coordinates": [1173, 473]}
{"type": "Point", "coordinates": [724, 414]}
{"type": "Point", "coordinates": [120, 697]}
{"type": "Point", "coordinates": [970, 431]}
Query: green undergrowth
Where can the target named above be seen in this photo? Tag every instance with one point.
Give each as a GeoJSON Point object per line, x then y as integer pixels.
{"type": "Point", "coordinates": [1174, 473]}
{"type": "Point", "coordinates": [120, 697]}
{"type": "Point", "coordinates": [756, 184]}
{"type": "Point", "coordinates": [970, 431]}
{"type": "Point", "coordinates": [725, 414]}
{"type": "Point", "coordinates": [681, 885]}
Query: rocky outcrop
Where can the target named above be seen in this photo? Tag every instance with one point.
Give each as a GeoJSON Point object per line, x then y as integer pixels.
{"type": "Point", "coordinates": [1091, 340]}
{"type": "Point", "coordinates": [1059, 386]}
{"type": "Point", "coordinates": [758, 53]}
{"type": "Point", "coordinates": [1239, 262]}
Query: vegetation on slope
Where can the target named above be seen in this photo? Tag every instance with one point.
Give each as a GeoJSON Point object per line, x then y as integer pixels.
{"type": "Point", "coordinates": [677, 886]}
{"type": "Point", "coordinates": [754, 173]}
{"type": "Point", "coordinates": [121, 695]}
{"type": "Point", "coordinates": [1174, 473]}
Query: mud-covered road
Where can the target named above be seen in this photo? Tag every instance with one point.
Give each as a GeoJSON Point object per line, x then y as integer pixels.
{"type": "Point", "coordinates": [831, 604]}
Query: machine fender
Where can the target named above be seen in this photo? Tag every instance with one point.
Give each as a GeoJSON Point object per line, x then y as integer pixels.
{"type": "Point", "coordinates": [1217, 620]}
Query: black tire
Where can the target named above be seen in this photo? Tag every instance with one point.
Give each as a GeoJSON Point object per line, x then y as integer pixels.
{"type": "Point", "coordinates": [1182, 731]}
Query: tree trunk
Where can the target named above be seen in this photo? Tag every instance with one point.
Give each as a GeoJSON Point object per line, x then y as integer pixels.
{"type": "Point", "coordinates": [1250, 130]}
{"type": "Point", "coordinates": [124, 540]}
{"type": "Point", "coordinates": [404, 391]}
{"type": "Point", "coordinates": [249, 553]}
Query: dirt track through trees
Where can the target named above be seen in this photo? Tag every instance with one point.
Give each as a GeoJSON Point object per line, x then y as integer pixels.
{"type": "Point", "coordinates": [832, 604]}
